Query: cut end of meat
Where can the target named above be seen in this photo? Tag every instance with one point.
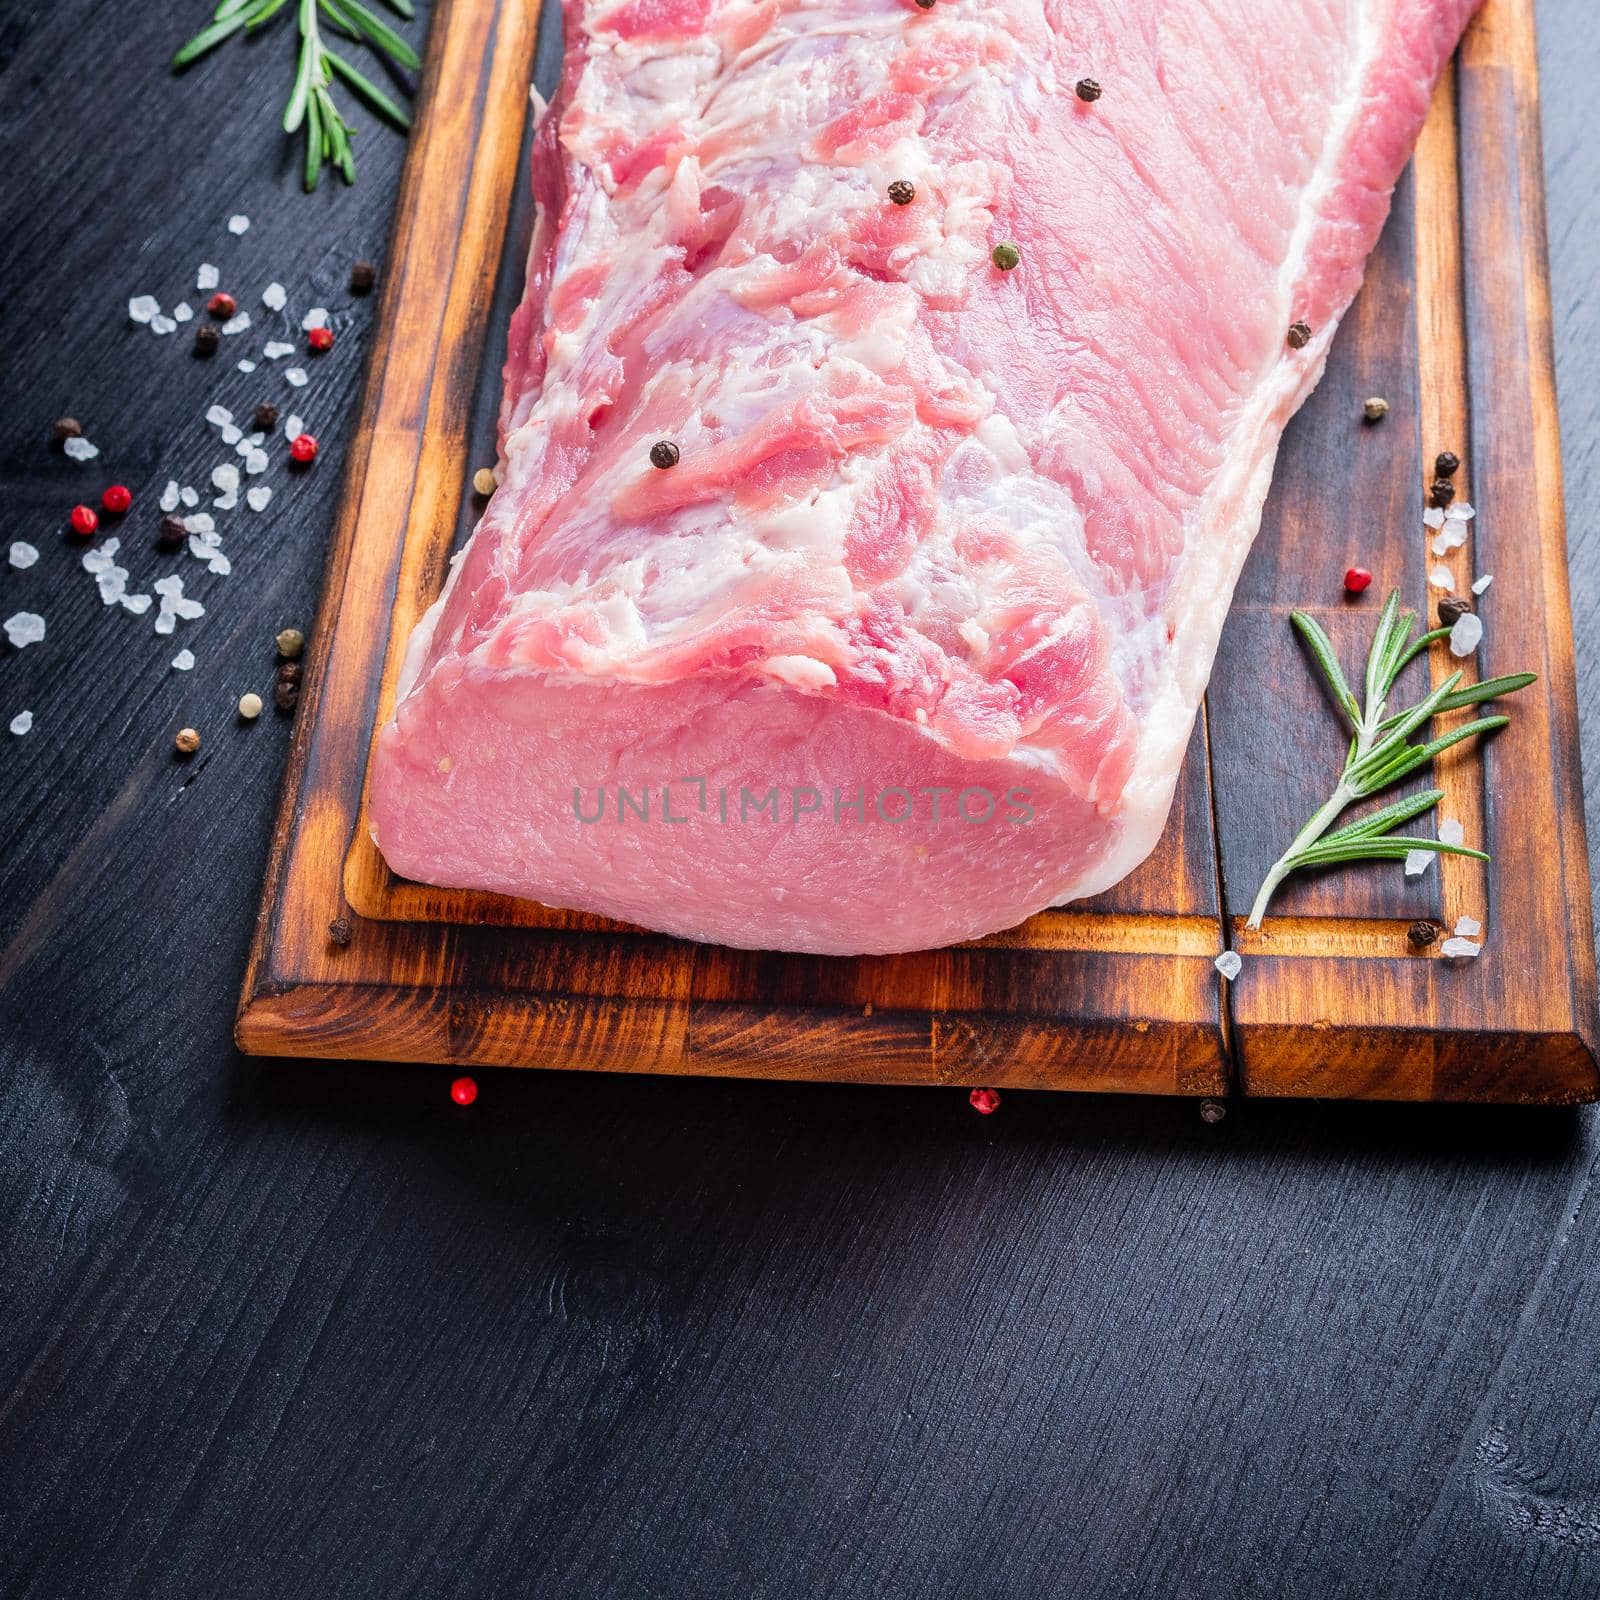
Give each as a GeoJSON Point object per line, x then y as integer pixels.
{"type": "Point", "coordinates": [816, 498]}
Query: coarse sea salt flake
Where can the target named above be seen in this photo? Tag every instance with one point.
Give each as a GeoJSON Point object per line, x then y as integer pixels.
{"type": "Point", "coordinates": [24, 628]}
{"type": "Point", "coordinates": [22, 722]}
{"type": "Point", "coordinates": [1228, 964]}
{"type": "Point", "coordinates": [163, 325]}
{"type": "Point", "coordinates": [143, 307]}
{"type": "Point", "coordinates": [138, 604]}
{"type": "Point", "coordinates": [190, 497]}
{"type": "Point", "coordinates": [220, 565]}
{"type": "Point", "coordinates": [225, 476]}
{"type": "Point", "coordinates": [202, 549]}
{"type": "Point", "coordinates": [219, 416]}
{"type": "Point", "coordinates": [1451, 537]}
{"type": "Point", "coordinates": [293, 427]}
{"type": "Point", "coordinates": [1460, 511]}
{"type": "Point", "coordinates": [236, 324]}
{"type": "Point", "coordinates": [1480, 584]}
{"type": "Point", "coordinates": [238, 223]}
{"type": "Point", "coordinates": [1464, 948]}
{"type": "Point", "coordinates": [200, 522]}
{"type": "Point", "coordinates": [183, 312]}
{"type": "Point", "coordinates": [165, 622]}
{"type": "Point", "coordinates": [274, 297]}
{"type": "Point", "coordinates": [183, 661]}
{"type": "Point", "coordinates": [232, 433]}
{"type": "Point", "coordinates": [1451, 831]}
{"type": "Point", "coordinates": [1468, 927]}
{"type": "Point", "coordinates": [169, 495]}
{"type": "Point", "coordinates": [1433, 517]}
{"type": "Point", "coordinates": [99, 559]}
{"type": "Point", "coordinates": [1417, 862]}
{"type": "Point", "coordinates": [247, 366]}
{"type": "Point", "coordinates": [275, 348]}
{"type": "Point", "coordinates": [1441, 578]}
{"type": "Point", "coordinates": [207, 277]}
{"type": "Point", "coordinates": [1466, 634]}
{"type": "Point", "coordinates": [297, 377]}
{"type": "Point", "coordinates": [80, 450]}
{"type": "Point", "coordinates": [257, 496]}
{"type": "Point", "coordinates": [168, 586]}
{"type": "Point", "coordinates": [316, 317]}
{"type": "Point", "coordinates": [255, 463]}
{"type": "Point", "coordinates": [226, 502]}
{"type": "Point", "coordinates": [23, 555]}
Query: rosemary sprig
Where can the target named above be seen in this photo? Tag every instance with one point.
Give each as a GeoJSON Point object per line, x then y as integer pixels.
{"type": "Point", "coordinates": [311, 103]}
{"type": "Point", "coordinates": [1381, 753]}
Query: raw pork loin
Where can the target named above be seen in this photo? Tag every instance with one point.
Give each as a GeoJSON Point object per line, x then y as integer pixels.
{"type": "Point", "coordinates": [939, 535]}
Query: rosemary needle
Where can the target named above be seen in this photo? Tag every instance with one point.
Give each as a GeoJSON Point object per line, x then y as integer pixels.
{"type": "Point", "coordinates": [311, 103]}
{"type": "Point", "coordinates": [1380, 752]}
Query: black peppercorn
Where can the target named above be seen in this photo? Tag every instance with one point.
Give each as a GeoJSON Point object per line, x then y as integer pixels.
{"type": "Point", "coordinates": [901, 192]}
{"type": "Point", "coordinates": [265, 418]}
{"type": "Point", "coordinates": [1446, 464]}
{"type": "Point", "coordinates": [66, 428]}
{"type": "Point", "coordinates": [1451, 611]}
{"type": "Point", "coordinates": [663, 454]}
{"type": "Point", "coordinates": [1422, 934]}
{"type": "Point", "coordinates": [340, 931]}
{"type": "Point", "coordinates": [288, 672]}
{"type": "Point", "coordinates": [926, 5]}
{"type": "Point", "coordinates": [1299, 335]}
{"type": "Point", "coordinates": [171, 533]}
{"type": "Point", "coordinates": [362, 277]}
{"type": "Point", "coordinates": [206, 339]}
{"type": "Point", "coordinates": [285, 696]}
{"type": "Point", "coordinates": [1087, 90]}
{"type": "Point", "coordinates": [1441, 492]}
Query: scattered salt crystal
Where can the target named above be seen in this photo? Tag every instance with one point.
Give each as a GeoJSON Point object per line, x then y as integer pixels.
{"type": "Point", "coordinates": [1451, 537]}
{"type": "Point", "coordinates": [226, 502]}
{"type": "Point", "coordinates": [237, 224]}
{"type": "Point", "coordinates": [316, 317]}
{"type": "Point", "coordinates": [183, 312]}
{"type": "Point", "coordinates": [293, 427]}
{"type": "Point", "coordinates": [257, 496]}
{"type": "Point", "coordinates": [247, 366]}
{"type": "Point", "coordinates": [200, 522]}
{"type": "Point", "coordinates": [1417, 862]}
{"type": "Point", "coordinates": [220, 565]}
{"type": "Point", "coordinates": [164, 621]}
{"type": "Point", "coordinates": [254, 439]}
{"type": "Point", "coordinates": [232, 433]}
{"type": "Point", "coordinates": [236, 324]}
{"type": "Point", "coordinates": [1433, 517]}
{"type": "Point", "coordinates": [274, 297]}
{"type": "Point", "coordinates": [1460, 511]}
{"type": "Point", "coordinates": [163, 325]}
{"type": "Point", "coordinates": [1465, 948]}
{"type": "Point", "coordinates": [1228, 964]}
{"type": "Point", "coordinates": [168, 586]}
{"type": "Point", "coordinates": [100, 558]}
{"type": "Point", "coordinates": [275, 348]}
{"type": "Point", "coordinates": [23, 555]}
{"type": "Point", "coordinates": [143, 307]}
{"type": "Point", "coordinates": [138, 604]}
{"type": "Point", "coordinates": [1468, 927]}
{"type": "Point", "coordinates": [22, 722]}
{"type": "Point", "coordinates": [1451, 831]}
{"type": "Point", "coordinates": [255, 463]}
{"type": "Point", "coordinates": [80, 450]}
{"type": "Point", "coordinates": [219, 416]}
{"type": "Point", "coordinates": [188, 609]}
{"type": "Point", "coordinates": [1441, 578]}
{"type": "Point", "coordinates": [295, 375]}
{"type": "Point", "coordinates": [183, 661]}
{"type": "Point", "coordinates": [169, 495]}
{"type": "Point", "coordinates": [207, 277]}
{"type": "Point", "coordinates": [190, 497]}
{"type": "Point", "coordinates": [202, 548]}
{"type": "Point", "coordinates": [24, 628]}
{"type": "Point", "coordinates": [112, 583]}
{"type": "Point", "coordinates": [225, 476]}
{"type": "Point", "coordinates": [1466, 634]}
{"type": "Point", "coordinates": [1480, 584]}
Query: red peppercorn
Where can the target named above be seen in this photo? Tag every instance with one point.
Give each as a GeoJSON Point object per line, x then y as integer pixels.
{"type": "Point", "coordinates": [117, 499]}
{"type": "Point", "coordinates": [320, 339]}
{"type": "Point", "coordinates": [464, 1091]}
{"type": "Point", "coordinates": [303, 449]}
{"type": "Point", "coordinates": [985, 1101]}
{"type": "Point", "coordinates": [1356, 579]}
{"type": "Point", "coordinates": [84, 520]}
{"type": "Point", "coordinates": [222, 305]}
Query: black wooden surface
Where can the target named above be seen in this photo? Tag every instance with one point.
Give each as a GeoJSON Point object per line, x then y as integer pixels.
{"type": "Point", "coordinates": [310, 1330]}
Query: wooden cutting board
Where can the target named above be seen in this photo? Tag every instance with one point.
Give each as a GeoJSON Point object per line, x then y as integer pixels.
{"type": "Point", "coordinates": [1118, 993]}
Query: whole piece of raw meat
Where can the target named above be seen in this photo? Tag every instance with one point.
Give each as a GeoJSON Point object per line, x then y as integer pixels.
{"type": "Point", "coordinates": [902, 639]}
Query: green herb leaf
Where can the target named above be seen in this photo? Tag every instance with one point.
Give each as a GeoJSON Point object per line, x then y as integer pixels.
{"type": "Point", "coordinates": [1322, 648]}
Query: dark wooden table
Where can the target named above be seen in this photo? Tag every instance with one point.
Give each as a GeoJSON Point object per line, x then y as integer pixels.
{"type": "Point", "coordinates": [311, 1330]}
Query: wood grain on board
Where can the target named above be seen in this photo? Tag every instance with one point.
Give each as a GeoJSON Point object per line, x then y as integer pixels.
{"type": "Point", "coordinates": [1116, 993]}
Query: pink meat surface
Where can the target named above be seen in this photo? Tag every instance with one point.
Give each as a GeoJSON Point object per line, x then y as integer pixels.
{"type": "Point", "coordinates": [941, 536]}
